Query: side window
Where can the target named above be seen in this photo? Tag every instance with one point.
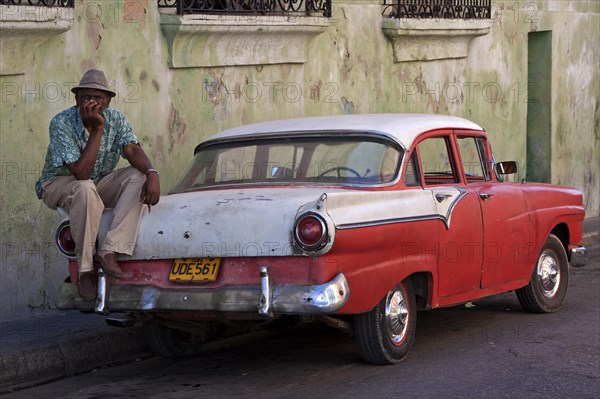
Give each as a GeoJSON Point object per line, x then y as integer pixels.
{"type": "Point", "coordinates": [436, 161]}
{"type": "Point", "coordinates": [472, 153]}
{"type": "Point", "coordinates": [412, 176]}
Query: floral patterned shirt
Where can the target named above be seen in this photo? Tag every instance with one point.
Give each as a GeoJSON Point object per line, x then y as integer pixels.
{"type": "Point", "coordinates": [68, 138]}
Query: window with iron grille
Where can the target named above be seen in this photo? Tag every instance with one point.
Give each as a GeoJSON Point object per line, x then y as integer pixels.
{"type": "Point", "coordinates": [437, 9]}
{"type": "Point", "coordinates": [250, 7]}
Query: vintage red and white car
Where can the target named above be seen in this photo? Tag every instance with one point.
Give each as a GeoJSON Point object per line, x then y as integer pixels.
{"type": "Point", "coordinates": [361, 219]}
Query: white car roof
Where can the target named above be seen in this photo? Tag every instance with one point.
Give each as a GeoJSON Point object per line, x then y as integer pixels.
{"type": "Point", "coordinates": [404, 128]}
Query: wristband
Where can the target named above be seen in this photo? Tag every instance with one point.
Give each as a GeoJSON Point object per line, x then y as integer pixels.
{"type": "Point", "coordinates": [152, 170]}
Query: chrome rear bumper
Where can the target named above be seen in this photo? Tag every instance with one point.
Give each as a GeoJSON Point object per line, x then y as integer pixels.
{"type": "Point", "coordinates": [266, 299]}
{"type": "Point", "coordinates": [579, 257]}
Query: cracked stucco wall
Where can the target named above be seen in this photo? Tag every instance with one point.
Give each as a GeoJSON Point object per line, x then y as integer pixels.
{"type": "Point", "coordinates": [350, 68]}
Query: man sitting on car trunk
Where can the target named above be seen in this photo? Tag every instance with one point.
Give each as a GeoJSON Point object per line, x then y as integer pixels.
{"type": "Point", "coordinates": [79, 175]}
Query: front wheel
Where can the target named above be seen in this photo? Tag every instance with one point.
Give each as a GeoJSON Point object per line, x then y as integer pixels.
{"type": "Point", "coordinates": [547, 288]}
{"type": "Point", "coordinates": [386, 333]}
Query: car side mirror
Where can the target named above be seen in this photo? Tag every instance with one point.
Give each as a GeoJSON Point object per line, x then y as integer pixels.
{"type": "Point", "coordinates": [506, 167]}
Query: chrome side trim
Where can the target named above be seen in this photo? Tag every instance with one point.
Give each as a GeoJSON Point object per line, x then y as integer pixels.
{"type": "Point", "coordinates": [390, 221]}
{"type": "Point", "coordinates": [446, 218]}
{"type": "Point", "coordinates": [286, 299]}
{"type": "Point", "coordinates": [579, 257]}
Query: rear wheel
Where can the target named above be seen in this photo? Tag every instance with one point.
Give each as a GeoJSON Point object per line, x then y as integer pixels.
{"type": "Point", "coordinates": [171, 343]}
{"type": "Point", "coordinates": [386, 333]}
{"type": "Point", "coordinates": [547, 288]}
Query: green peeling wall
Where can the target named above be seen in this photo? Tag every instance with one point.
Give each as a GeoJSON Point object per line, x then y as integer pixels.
{"type": "Point", "coordinates": [349, 68]}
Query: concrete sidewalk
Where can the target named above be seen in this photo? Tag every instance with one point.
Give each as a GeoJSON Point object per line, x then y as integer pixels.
{"type": "Point", "coordinates": [591, 231]}
{"type": "Point", "coordinates": [46, 347]}
{"type": "Point", "coordinates": [58, 344]}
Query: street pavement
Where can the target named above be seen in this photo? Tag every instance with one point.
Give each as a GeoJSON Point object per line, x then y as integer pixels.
{"type": "Point", "coordinates": [47, 347]}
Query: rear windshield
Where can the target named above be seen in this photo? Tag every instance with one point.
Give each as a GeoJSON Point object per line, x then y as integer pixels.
{"type": "Point", "coordinates": [293, 160]}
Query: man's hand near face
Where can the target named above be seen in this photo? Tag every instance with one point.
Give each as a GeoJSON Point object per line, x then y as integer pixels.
{"type": "Point", "coordinates": [92, 115]}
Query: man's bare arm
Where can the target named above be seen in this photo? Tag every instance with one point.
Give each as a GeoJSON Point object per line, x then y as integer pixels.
{"type": "Point", "coordinates": [138, 159]}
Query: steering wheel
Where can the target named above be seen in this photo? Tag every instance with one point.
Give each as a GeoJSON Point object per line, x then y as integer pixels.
{"type": "Point", "coordinates": [338, 169]}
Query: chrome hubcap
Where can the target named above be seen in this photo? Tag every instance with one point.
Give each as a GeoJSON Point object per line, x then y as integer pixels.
{"type": "Point", "coordinates": [548, 274]}
{"type": "Point", "coordinates": [396, 316]}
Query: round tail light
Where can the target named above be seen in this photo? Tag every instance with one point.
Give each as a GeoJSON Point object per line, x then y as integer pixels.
{"type": "Point", "coordinates": [64, 240]}
{"type": "Point", "coordinates": [310, 232]}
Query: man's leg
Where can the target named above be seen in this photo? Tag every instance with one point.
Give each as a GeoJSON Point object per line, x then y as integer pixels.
{"type": "Point", "coordinates": [121, 190]}
{"type": "Point", "coordinates": [81, 199]}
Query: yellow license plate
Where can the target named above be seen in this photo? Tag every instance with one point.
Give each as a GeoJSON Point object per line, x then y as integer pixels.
{"type": "Point", "coordinates": [195, 270]}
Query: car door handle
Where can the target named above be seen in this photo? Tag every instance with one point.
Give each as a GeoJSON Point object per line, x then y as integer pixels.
{"type": "Point", "coordinates": [441, 197]}
{"type": "Point", "coordinates": [485, 196]}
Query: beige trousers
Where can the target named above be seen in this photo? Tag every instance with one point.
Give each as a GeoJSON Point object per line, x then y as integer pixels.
{"type": "Point", "coordinates": [85, 202]}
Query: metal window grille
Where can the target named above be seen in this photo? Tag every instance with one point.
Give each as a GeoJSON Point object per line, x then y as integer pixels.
{"type": "Point", "coordinates": [250, 7]}
{"type": "Point", "coordinates": [438, 9]}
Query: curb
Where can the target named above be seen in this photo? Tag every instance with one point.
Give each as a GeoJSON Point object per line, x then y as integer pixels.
{"type": "Point", "coordinates": [590, 239]}
{"type": "Point", "coordinates": [591, 231]}
{"type": "Point", "coordinates": [48, 348]}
